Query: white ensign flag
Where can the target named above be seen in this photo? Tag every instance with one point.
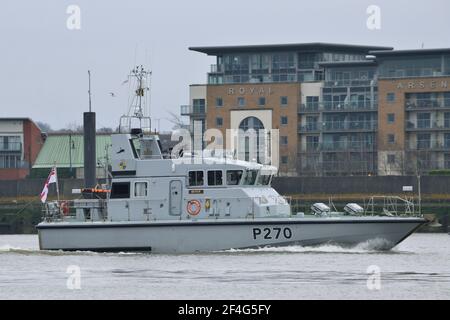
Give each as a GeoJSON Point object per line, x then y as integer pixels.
{"type": "Point", "coordinates": [52, 178]}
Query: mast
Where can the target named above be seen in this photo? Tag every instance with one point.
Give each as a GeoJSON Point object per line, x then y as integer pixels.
{"type": "Point", "coordinates": [138, 110]}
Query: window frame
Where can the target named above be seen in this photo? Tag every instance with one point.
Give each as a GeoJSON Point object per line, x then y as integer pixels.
{"type": "Point", "coordinates": [215, 177]}
{"type": "Point", "coordinates": [196, 178]}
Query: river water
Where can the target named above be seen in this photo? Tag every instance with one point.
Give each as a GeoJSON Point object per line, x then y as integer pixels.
{"type": "Point", "coordinates": [418, 268]}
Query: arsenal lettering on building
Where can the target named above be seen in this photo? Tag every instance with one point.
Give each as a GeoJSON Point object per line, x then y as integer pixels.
{"type": "Point", "coordinates": [262, 91]}
{"type": "Point", "coordinates": [431, 84]}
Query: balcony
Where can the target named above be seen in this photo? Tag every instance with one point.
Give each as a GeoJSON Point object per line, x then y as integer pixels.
{"type": "Point", "coordinates": [309, 128]}
{"type": "Point", "coordinates": [216, 68]}
{"type": "Point", "coordinates": [427, 125]}
{"type": "Point", "coordinates": [340, 146]}
{"type": "Point", "coordinates": [11, 146]}
{"type": "Point", "coordinates": [337, 107]}
{"type": "Point", "coordinates": [428, 145]}
{"type": "Point", "coordinates": [350, 83]}
{"type": "Point", "coordinates": [347, 126]}
{"type": "Point", "coordinates": [188, 110]}
{"type": "Point", "coordinates": [427, 104]}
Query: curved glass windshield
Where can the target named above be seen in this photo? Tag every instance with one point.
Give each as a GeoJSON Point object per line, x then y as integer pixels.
{"type": "Point", "coordinates": [263, 179]}
{"type": "Point", "coordinates": [250, 177]}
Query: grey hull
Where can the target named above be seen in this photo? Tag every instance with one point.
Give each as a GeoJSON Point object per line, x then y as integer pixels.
{"type": "Point", "coordinates": [210, 235]}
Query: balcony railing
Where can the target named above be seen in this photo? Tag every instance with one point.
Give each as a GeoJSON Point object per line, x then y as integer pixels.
{"type": "Point", "coordinates": [336, 126]}
{"type": "Point", "coordinates": [350, 83]}
{"type": "Point", "coordinates": [350, 125]}
{"type": "Point", "coordinates": [427, 104]}
{"type": "Point", "coordinates": [340, 146]}
{"type": "Point", "coordinates": [432, 145]}
{"type": "Point", "coordinates": [188, 110]}
{"type": "Point", "coordinates": [12, 146]}
{"type": "Point", "coordinates": [337, 107]}
{"type": "Point", "coordinates": [426, 125]}
{"type": "Point", "coordinates": [216, 68]}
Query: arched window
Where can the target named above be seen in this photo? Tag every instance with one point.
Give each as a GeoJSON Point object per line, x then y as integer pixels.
{"type": "Point", "coordinates": [251, 143]}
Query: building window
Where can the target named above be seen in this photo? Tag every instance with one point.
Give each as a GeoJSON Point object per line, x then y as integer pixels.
{"type": "Point", "coordinates": [312, 103]}
{"type": "Point", "coordinates": [215, 178]}
{"type": "Point", "coordinates": [391, 158]}
{"type": "Point", "coordinates": [195, 178]}
{"type": "Point", "coordinates": [391, 117]}
{"type": "Point", "coordinates": [140, 189]}
{"type": "Point", "coordinates": [10, 161]}
{"type": "Point", "coordinates": [241, 101]}
{"type": "Point", "coordinates": [284, 101]}
{"type": "Point", "coordinates": [390, 97]}
{"type": "Point", "coordinates": [312, 143]}
{"type": "Point", "coordinates": [199, 106]}
{"type": "Point", "coordinates": [284, 159]}
{"type": "Point", "coordinates": [284, 120]}
{"type": "Point", "coordinates": [284, 140]}
{"type": "Point", "coordinates": [391, 138]}
{"type": "Point", "coordinates": [423, 120]}
{"type": "Point", "coordinates": [261, 101]}
{"type": "Point", "coordinates": [219, 102]}
{"type": "Point", "coordinates": [219, 121]}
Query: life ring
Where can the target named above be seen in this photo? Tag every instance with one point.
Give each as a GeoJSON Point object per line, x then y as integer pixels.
{"type": "Point", "coordinates": [65, 208]}
{"type": "Point", "coordinates": [193, 207]}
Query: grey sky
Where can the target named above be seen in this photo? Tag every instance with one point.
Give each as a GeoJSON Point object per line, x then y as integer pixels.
{"type": "Point", "coordinates": [43, 65]}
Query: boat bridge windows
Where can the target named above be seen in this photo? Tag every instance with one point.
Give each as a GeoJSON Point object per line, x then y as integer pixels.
{"type": "Point", "coordinates": [140, 189]}
{"type": "Point", "coordinates": [215, 178]}
{"type": "Point", "coordinates": [233, 178]}
{"type": "Point", "coordinates": [120, 190]}
{"type": "Point", "coordinates": [195, 178]}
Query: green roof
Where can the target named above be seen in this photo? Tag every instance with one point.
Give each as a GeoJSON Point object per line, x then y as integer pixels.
{"type": "Point", "coordinates": [56, 150]}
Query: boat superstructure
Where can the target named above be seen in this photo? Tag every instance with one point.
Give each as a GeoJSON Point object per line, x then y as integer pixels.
{"type": "Point", "coordinates": [196, 204]}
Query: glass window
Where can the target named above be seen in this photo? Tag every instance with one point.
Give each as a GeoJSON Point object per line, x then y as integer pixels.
{"type": "Point", "coordinates": [261, 101]}
{"type": "Point", "coordinates": [312, 102]}
{"type": "Point", "coordinates": [140, 189]}
{"type": "Point", "coordinates": [391, 138]}
{"type": "Point", "coordinates": [195, 178]}
{"type": "Point", "coordinates": [198, 105]}
{"type": "Point", "coordinates": [250, 177]}
{"type": "Point", "coordinates": [284, 101]}
{"type": "Point", "coordinates": [391, 118]}
{"type": "Point", "coordinates": [263, 179]}
{"type": "Point", "coordinates": [284, 160]}
{"type": "Point", "coordinates": [423, 141]}
{"type": "Point", "coordinates": [219, 122]}
{"type": "Point", "coordinates": [390, 97]}
{"type": "Point", "coordinates": [219, 102]}
{"type": "Point", "coordinates": [241, 101]}
{"type": "Point", "coordinates": [312, 143]}
{"type": "Point", "coordinates": [423, 120]}
{"type": "Point", "coordinates": [391, 158]}
{"type": "Point", "coordinates": [215, 178]}
{"type": "Point", "coordinates": [120, 190]}
{"type": "Point", "coordinates": [234, 177]}
{"type": "Point", "coordinates": [284, 120]}
{"type": "Point", "coordinates": [284, 140]}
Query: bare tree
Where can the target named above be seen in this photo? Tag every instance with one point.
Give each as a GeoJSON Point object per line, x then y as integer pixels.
{"type": "Point", "coordinates": [175, 120]}
{"type": "Point", "coordinates": [45, 127]}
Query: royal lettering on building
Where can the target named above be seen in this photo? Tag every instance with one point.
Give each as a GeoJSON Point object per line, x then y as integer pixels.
{"type": "Point", "coordinates": [422, 84]}
{"type": "Point", "coordinates": [262, 91]}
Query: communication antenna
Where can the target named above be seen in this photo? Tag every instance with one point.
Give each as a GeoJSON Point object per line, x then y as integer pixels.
{"type": "Point", "coordinates": [139, 78]}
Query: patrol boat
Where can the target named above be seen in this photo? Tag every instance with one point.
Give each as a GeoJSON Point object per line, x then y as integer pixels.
{"type": "Point", "coordinates": [197, 204]}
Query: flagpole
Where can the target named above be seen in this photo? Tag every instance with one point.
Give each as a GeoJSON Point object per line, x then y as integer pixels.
{"type": "Point", "coordinates": [57, 183]}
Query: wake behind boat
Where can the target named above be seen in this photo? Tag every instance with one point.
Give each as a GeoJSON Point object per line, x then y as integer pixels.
{"type": "Point", "coordinates": [196, 204]}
